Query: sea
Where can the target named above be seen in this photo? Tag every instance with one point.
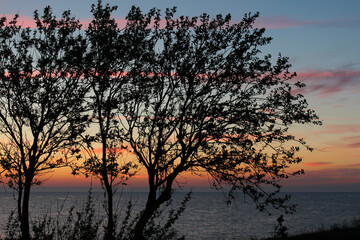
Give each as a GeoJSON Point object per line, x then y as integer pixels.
{"type": "Point", "coordinates": [207, 216]}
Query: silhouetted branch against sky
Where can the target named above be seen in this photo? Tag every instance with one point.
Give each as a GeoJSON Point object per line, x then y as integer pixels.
{"type": "Point", "coordinates": [41, 98]}
{"type": "Point", "coordinates": [183, 94]}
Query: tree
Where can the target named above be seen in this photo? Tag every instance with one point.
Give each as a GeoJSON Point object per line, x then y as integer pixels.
{"type": "Point", "coordinates": [106, 60]}
{"type": "Point", "coordinates": [41, 101]}
{"type": "Point", "coordinates": [205, 99]}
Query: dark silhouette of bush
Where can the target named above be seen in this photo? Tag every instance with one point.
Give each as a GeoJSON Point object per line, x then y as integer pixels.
{"type": "Point", "coordinates": [81, 224]}
{"type": "Point", "coordinates": [280, 231]}
{"type": "Point", "coordinates": [349, 230]}
{"type": "Point", "coordinates": [160, 226]}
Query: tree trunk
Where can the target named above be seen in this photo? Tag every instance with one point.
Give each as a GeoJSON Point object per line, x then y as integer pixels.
{"type": "Point", "coordinates": [152, 205]}
{"type": "Point", "coordinates": [110, 224]}
{"type": "Point", "coordinates": [145, 215]}
{"type": "Point", "coordinates": [19, 200]}
{"type": "Point", "coordinates": [24, 218]}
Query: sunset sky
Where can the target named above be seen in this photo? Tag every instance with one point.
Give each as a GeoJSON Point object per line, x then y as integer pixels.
{"type": "Point", "coordinates": [322, 40]}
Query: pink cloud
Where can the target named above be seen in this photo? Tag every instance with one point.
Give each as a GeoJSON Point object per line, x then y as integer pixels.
{"type": "Point", "coordinates": [316, 74]}
{"type": "Point", "coordinates": [353, 141]}
{"type": "Point", "coordinates": [326, 83]}
{"type": "Point", "coordinates": [354, 165]}
{"type": "Point", "coordinates": [352, 138]}
{"type": "Point", "coordinates": [353, 145]}
{"type": "Point", "coordinates": [327, 177]}
{"type": "Point", "coordinates": [24, 21]}
{"type": "Point", "coordinates": [121, 22]}
{"type": "Point", "coordinates": [275, 22]}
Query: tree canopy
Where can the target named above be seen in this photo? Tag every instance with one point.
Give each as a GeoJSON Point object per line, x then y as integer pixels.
{"type": "Point", "coordinates": [181, 94]}
{"type": "Point", "coordinates": [205, 99]}
{"type": "Point", "coordinates": [41, 95]}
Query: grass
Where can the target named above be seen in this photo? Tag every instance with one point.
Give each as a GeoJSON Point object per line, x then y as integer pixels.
{"type": "Point", "coordinates": [348, 230]}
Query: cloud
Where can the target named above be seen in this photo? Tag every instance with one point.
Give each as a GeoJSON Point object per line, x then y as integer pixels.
{"type": "Point", "coordinates": [327, 177]}
{"type": "Point", "coordinates": [354, 165]}
{"type": "Point", "coordinates": [354, 141]}
{"type": "Point", "coordinates": [26, 21]}
{"type": "Point", "coordinates": [121, 22]}
{"type": "Point", "coordinates": [352, 138]}
{"type": "Point", "coordinates": [353, 145]}
{"type": "Point", "coordinates": [23, 20]}
{"type": "Point", "coordinates": [336, 129]}
{"type": "Point", "coordinates": [276, 22]}
{"type": "Point", "coordinates": [316, 164]}
{"type": "Point", "coordinates": [326, 83]}
{"type": "Point", "coordinates": [315, 74]}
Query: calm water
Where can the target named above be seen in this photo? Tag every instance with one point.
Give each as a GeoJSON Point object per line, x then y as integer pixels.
{"type": "Point", "coordinates": [207, 216]}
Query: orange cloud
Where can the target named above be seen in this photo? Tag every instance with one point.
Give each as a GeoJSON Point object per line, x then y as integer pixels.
{"type": "Point", "coordinates": [121, 150]}
{"type": "Point", "coordinates": [316, 164]}
{"type": "Point", "coordinates": [336, 129]}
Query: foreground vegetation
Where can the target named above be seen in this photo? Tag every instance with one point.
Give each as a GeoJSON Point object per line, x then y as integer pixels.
{"type": "Point", "coordinates": [84, 222]}
{"type": "Point", "coordinates": [348, 230]}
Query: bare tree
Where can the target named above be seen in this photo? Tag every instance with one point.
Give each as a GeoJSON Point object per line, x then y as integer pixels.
{"type": "Point", "coordinates": [41, 101]}
{"type": "Point", "coordinates": [206, 100]}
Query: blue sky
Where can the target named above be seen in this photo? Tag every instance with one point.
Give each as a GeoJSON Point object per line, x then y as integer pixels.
{"type": "Point", "coordinates": [321, 38]}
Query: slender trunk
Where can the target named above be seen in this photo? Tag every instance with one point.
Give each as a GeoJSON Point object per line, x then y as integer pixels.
{"type": "Point", "coordinates": [24, 218]}
{"type": "Point", "coordinates": [110, 224]}
{"type": "Point", "coordinates": [109, 233]}
{"type": "Point", "coordinates": [20, 195]}
{"type": "Point", "coordinates": [19, 201]}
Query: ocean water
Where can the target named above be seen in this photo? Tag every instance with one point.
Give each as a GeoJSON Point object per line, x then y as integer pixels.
{"type": "Point", "coordinates": [206, 215]}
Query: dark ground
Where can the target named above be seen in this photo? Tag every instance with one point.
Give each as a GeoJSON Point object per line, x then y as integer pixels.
{"type": "Point", "coordinates": [334, 233]}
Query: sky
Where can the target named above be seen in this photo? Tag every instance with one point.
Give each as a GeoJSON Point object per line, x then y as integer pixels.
{"type": "Point", "coordinates": [321, 39]}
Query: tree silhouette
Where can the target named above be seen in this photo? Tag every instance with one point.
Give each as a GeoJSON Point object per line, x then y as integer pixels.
{"type": "Point", "coordinates": [206, 100]}
{"type": "Point", "coordinates": [41, 98]}
{"type": "Point", "coordinates": [106, 61]}
{"type": "Point", "coordinates": [186, 94]}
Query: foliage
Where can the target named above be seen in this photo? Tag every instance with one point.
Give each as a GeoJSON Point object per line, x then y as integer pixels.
{"type": "Point", "coordinates": [280, 229]}
{"type": "Point", "coordinates": [85, 226]}
{"type": "Point", "coordinates": [81, 224]}
{"type": "Point", "coordinates": [346, 230]}
{"type": "Point", "coordinates": [181, 94]}
{"type": "Point", "coordinates": [159, 227]}
{"type": "Point", "coordinates": [41, 97]}
{"type": "Point", "coordinates": [105, 62]}
{"type": "Point", "coordinates": [204, 99]}
{"type": "Point", "coordinates": [43, 229]}
{"type": "Point", "coordinates": [12, 227]}
{"type": "Point", "coordinates": [85, 223]}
